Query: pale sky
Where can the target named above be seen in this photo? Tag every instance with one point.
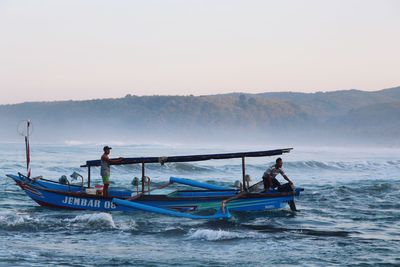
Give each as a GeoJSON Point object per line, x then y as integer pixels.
{"type": "Point", "coordinates": [81, 49]}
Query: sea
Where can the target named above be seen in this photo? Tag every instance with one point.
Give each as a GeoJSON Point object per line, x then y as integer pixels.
{"type": "Point", "coordinates": [349, 211]}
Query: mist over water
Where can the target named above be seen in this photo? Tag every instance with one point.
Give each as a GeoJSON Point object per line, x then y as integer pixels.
{"type": "Point", "coordinates": [350, 211]}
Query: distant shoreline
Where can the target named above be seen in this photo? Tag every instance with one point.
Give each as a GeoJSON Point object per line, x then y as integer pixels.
{"type": "Point", "coordinates": [339, 118]}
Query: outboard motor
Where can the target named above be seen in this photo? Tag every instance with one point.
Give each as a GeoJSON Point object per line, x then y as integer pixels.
{"type": "Point", "coordinates": [135, 183]}
{"type": "Point", "coordinates": [63, 180]}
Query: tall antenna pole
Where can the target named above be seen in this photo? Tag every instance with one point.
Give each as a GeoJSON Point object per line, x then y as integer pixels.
{"type": "Point", "coordinates": [27, 150]}
{"type": "Point", "coordinates": [21, 130]}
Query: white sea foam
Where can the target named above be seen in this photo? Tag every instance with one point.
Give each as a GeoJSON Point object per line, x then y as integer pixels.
{"type": "Point", "coordinates": [213, 235]}
{"type": "Point", "coordinates": [172, 228]}
{"type": "Point", "coordinates": [16, 219]}
{"type": "Point", "coordinates": [98, 219]}
{"type": "Point", "coordinates": [128, 225]}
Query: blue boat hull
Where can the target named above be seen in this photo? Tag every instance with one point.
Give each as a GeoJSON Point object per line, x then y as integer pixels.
{"type": "Point", "coordinates": [52, 194]}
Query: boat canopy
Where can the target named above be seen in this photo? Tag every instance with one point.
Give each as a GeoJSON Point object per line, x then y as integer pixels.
{"type": "Point", "coordinates": [162, 160]}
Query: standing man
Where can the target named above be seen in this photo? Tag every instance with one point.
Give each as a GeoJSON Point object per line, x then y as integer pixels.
{"type": "Point", "coordinates": [270, 181]}
{"type": "Point", "coordinates": [105, 168]}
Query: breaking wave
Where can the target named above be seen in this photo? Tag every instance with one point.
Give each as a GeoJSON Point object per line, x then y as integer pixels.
{"type": "Point", "coordinates": [301, 165]}
{"type": "Point", "coordinates": [16, 221]}
{"type": "Point", "coordinates": [214, 235]}
{"type": "Point", "coordinates": [103, 220]}
{"type": "Point", "coordinates": [340, 165]}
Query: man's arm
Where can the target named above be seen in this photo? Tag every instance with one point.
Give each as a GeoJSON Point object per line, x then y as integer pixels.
{"type": "Point", "coordinates": [105, 158]}
{"type": "Point", "coordinates": [287, 179]}
{"type": "Point", "coordinates": [111, 161]}
{"type": "Point", "coordinates": [115, 161]}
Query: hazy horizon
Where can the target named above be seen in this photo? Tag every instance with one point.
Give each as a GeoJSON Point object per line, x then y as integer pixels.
{"type": "Point", "coordinates": [211, 94]}
{"type": "Point", "coordinates": [62, 50]}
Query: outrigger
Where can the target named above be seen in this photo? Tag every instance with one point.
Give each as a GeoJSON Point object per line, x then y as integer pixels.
{"type": "Point", "coordinates": [179, 203]}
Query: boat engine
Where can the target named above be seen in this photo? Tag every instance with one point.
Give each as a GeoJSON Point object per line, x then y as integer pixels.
{"type": "Point", "coordinates": [135, 183]}
{"type": "Point", "coordinates": [63, 180]}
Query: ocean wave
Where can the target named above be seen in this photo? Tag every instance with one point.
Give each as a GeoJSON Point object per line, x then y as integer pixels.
{"type": "Point", "coordinates": [217, 170]}
{"type": "Point", "coordinates": [171, 231]}
{"type": "Point", "coordinates": [305, 231]}
{"type": "Point", "coordinates": [175, 167]}
{"type": "Point", "coordinates": [12, 166]}
{"type": "Point", "coordinates": [58, 169]}
{"type": "Point", "coordinates": [188, 167]}
{"type": "Point", "coordinates": [369, 188]}
{"type": "Point", "coordinates": [341, 165]}
{"type": "Point", "coordinates": [102, 220]}
{"type": "Point", "coordinates": [292, 165]}
{"type": "Point", "coordinates": [17, 221]}
{"type": "Point", "coordinates": [119, 143]}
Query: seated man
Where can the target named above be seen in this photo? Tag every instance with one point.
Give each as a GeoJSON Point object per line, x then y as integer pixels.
{"type": "Point", "coordinates": [270, 181]}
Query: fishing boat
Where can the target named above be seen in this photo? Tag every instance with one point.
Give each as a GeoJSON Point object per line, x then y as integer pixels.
{"type": "Point", "coordinates": [192, 203]}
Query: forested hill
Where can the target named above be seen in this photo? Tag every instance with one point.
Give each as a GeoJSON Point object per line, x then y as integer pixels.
{"type": "Point", "coordinates": [343, 117]}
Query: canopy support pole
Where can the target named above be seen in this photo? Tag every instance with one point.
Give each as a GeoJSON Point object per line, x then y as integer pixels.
{"type": "Point", "coordinates": [88, 176]}
{"type": "Point", "coordinates": [143, 182]}
{"type": "Point", "coordinates": [244, 174]}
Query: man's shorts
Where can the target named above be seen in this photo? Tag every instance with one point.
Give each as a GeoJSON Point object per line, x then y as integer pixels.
{"type": "Point", "coordinates": [285, 188]}
{"type": "Point", "coordinates": [275, 183]}
{"type": "Point", "coordinates": [106, 179]}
